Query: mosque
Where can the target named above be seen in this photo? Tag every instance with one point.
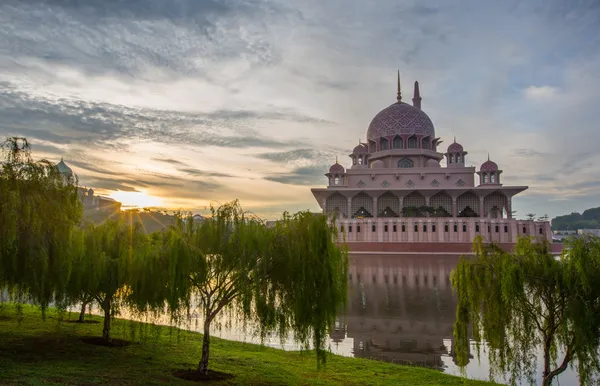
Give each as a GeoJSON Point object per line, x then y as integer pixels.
{"type": "Point", "coordinates": [90, 201]}
{"type": "Point", "coordinates": [396, 197]}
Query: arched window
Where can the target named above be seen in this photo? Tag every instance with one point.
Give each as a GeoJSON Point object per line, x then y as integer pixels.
{"type": "Point", "coordinates": [493, 178]}
{"type": "Point", "coordinates": [360, 160]}
{"type": "Point", "coordinates": [384, 144]}
{"type": "Point", "coordinates": [425, 143]}
{"type": "Point", "coordinates": [405, 163]}
{"type": "Point", "coordinates": [398, 142]}
{"type": "Point", "coordinates": [450, 157]}
{"type": "Point", "coordinates": [412, 142]}
{"type": "Point", "coordinates": [336, 180]}
{"type": "Point", "coordinates": [485, 178]}
{"type": "Point", "coordinates": [458, 158]}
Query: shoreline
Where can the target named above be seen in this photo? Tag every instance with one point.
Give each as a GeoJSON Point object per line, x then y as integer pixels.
{"type": "Point", "coordinates": [34, 350]}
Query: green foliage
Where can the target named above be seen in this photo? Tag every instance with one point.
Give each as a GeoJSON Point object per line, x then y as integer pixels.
{"type": "Point", "coordinates": [286, 278]}
{"type": "Point", "coordinates": [104, 265]}
{"type": "Point", "coordinates": [290, 277]}
{"type": "Point", "coordinates": [39, 209]}
{"type": "Point", "coordinates": [589, 219]}
{"type": "Point", "coordinates": [521, 301]}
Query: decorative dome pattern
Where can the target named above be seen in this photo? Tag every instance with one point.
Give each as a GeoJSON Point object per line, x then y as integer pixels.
{"type": "Point", "coordinates": [361, 149]}
{"type": "Point", "coordinates": [455, 148]}
{"type": "Point", "coordinates": [400, 118]}
{"type": "Point", "coordinates": [489, 166]}
{"type": "Point", "coordinates": [64, 169]}
{"type": "Point", "coordinates": [336, 168]}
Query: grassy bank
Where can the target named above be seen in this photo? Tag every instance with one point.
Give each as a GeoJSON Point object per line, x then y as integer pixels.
{"type": "Point", "coordinates": [34, 352]}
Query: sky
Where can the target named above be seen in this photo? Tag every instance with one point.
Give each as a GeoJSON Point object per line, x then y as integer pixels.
{"type": "Point", "coordinates": [193, 102]}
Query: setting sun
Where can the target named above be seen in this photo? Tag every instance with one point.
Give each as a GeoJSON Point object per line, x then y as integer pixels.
{"type": "Point", "coordinates": [136, 199]}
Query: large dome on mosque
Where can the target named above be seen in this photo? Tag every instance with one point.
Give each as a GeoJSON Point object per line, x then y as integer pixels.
{"type": "Point", "coordinates": [402, 119]}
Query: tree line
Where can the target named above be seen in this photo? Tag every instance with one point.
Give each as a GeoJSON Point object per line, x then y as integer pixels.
{"type": "Point", "coordinates": [288, 278]}
{"type": "Point", "coordinates": [589, 219]}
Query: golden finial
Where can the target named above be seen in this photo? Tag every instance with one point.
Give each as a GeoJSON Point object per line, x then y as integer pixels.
{"type": "Point", "coordinates": [399, 95]}
{"type": "Point", "coordinates": [336, 159]}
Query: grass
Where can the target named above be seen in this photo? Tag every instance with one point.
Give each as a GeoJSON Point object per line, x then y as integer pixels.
{"type": "Point", "coordinates": [38, 352]}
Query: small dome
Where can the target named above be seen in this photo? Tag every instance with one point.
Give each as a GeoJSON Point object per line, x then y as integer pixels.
{"type": "Point", "coordinates": [377, 164]}
{"type": "Point", "coordinates": [431, 163]}
{"type": "Point", "coordinates": [64, 169]}
{"type": "Point", "coordinates": [400, 118]}
{"type": "Point", "coordinates": [361, 149]}
{"type": "Point", "coordinates": [455, 148]}
{"type": "Point", "coordinates": [336, 168]}
{"type": "Point", "coordinates": [489, 166]}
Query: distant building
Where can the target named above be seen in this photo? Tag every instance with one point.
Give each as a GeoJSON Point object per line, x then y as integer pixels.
{"type": "Point", "coordinates": [86, 196]}
{"type": "Point", "coordinates": [396, 197]}
{"type": "Point", "coordinates": [559, 235]}
{"type": "Point", "coordinates": [594, 232]}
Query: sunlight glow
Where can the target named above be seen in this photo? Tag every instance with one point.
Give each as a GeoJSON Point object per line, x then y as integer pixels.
{"type": "Point", "coordinates": [136, 199]}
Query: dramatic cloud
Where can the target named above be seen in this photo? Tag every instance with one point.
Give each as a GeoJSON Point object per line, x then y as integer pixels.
{"type": "Point", "coordinates": [206, 101]}
{"type": "Point", "coordinates": [309, 176]}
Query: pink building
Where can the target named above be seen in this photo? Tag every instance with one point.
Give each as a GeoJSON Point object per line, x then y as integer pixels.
{"type": "Point", "coordinates": [396, 197]}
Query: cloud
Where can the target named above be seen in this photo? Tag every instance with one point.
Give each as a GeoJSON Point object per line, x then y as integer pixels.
{"type": "Point", "coordinates": [296, 155]}
{"type": "Point", "coordinates": [104, 125]}
{"type": "Point", "coordinates": [203, 173]}
{"type": "Point", "coordinates": [172, 97]}
{"type": "Point", "coordinates": [540, 92]}
{"type": "Point", "coordinates": [168, 160]}
{"type": "Point", "coordinates": [308, 176]}
{"type": "Point", "coordinates": [527, 153]}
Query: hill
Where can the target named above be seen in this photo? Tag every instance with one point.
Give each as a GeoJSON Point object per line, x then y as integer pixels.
{"type": "Point", "coordinates": [589, 219]}
{"type": "Point", "coordinates": [151, 221]}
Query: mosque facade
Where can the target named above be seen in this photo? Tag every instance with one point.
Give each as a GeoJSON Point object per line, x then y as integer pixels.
{"type": "Point", "coordinates": [396, 196]}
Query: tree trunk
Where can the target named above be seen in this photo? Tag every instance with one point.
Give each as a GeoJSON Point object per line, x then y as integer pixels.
{"type": "Point", "coordinates": [106, 305]}
{"type": "Point", "coordinates": [203, 365]}
{"type": "Point", "coordinates": [82, 313]}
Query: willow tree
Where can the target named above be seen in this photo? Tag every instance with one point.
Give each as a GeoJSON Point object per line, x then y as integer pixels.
{"type": "Point", "coordinates": [286, 278]}
{"type": "Point", "coordinates": [39, 211]}
{"type": "Point", "coordinates": [528, 299]}
{"type": "Point", "coordinates": [105, 264]}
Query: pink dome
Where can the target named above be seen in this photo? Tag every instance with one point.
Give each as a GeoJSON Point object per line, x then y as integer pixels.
{"type": "Point", "coordinates": [361, 149]}
{"type": "Point", "coordinates": [400, 118]}
{"type": "Point", "coordinates": [489, 166]}
{"type": "Point", "coordinates": [431, 163]}
{"type": "Point", "coordinates": [455, 148]}
{"type": "Point", "coordinates": [336, 168]}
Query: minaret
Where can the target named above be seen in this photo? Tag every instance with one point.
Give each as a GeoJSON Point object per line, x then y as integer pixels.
{"type": "Point", "coordinates": [399, 95]}
{"type": "Point", "coordinates": [417, 97]}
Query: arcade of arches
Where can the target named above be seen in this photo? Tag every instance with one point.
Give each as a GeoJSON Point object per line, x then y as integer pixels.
{"type": "Point", "coordinates": [415, 204]}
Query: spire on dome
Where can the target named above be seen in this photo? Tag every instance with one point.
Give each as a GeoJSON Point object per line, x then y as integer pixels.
{"type": "Point", "coordinates": [336, 159]}
{"type": "Point", "coordinates": [488, 156]}
{"type": "Point", "coordinates": [399, 95]}
{"type": "Point", "coordinates": [417, 96]}
{"type": "Point", "coordinates": [455, 139]}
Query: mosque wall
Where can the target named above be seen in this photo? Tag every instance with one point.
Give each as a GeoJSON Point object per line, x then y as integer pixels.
{"type": "Point", "coordinates": [439, 230]}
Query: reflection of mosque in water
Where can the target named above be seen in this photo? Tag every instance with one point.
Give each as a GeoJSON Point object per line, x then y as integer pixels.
{"type": "Point", "coordinates": [400, 308]}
